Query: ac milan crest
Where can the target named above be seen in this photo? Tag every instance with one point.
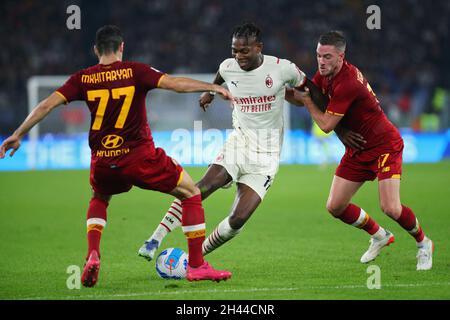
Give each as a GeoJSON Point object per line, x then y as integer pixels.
{"type": "Point", "coordinates": [219, 157]}
{"type": "Point", "coordinates": [269, 81]}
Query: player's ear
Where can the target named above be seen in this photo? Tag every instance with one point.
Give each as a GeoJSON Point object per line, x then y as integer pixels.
{"type": "Point", "coordinates": [121, 47]}
{"type": "Point", "coordinates": [96, 51]}
{"type": "Point", "coordinates": [260, 46]}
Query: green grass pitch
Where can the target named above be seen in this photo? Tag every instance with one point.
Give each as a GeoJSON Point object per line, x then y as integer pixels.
{"type": "Point", "coordinates": [290, 249]}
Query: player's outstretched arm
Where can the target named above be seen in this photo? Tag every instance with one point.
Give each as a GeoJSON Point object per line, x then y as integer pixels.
{"type": "Point", "coordinates": [316, 103]}
{"type": "Point", "coordinates": [320, 100]}
{"type": "Point", "coordinates": [182, 84]}
{"type": "Point", "coordinates": [347, 137]}
{"type": "Point", "coordinates": [317, 96]}
{"type": "Point", "coordinates": [38, 113]}
{"type": "Point", "coordinates": [289, 96]}
{"type": "Point", "coordinates": [326, 122]}
{"type": "Point", "coordinates": [207, 97]}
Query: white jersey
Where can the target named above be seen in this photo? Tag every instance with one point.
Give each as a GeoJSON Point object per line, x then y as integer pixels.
{"type": "Point", "coordinates": [259, 99]}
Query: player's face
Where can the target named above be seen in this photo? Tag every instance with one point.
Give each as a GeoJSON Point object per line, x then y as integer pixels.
{"type": "Point", "coordinates": [246, 52]}
{"type": "Point", "coordinates": [329, 60]}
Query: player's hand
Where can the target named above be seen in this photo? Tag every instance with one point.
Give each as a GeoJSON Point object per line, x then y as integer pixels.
{"type": "Point", "coordinates": [13, 142]}
{"type": "Point", "coordinates": [302, 95]}
{"type": "Point", "coordinates": [289, 96]}
{"type": "Point", "coordinates": [223, 92]}
{"type": "Point", "coordinates": [205, 100]}
{"type": "Point", "coordinates": [350, 138]}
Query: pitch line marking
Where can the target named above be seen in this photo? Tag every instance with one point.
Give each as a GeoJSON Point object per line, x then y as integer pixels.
{"type": "Point", "coordinates": [168, 293]}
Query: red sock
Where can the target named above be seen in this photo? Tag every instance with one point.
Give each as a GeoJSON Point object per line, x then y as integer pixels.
{"type": "Point", "coordinates": [357, 217]}
{"type": "Point", "coordinates": [96, 221]}
{"type": "Point", "coordinates": [409, 222]}
{"type": "Point", "coordinates": [193, 224]}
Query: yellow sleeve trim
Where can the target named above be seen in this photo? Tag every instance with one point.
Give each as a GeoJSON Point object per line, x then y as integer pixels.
{"type": "Point", "coordinates": [159, 81]}
{"type": "Point", "coordinates": [396, 176]}
{"type": "Point", "coordinates": [62, 96]}
{"type": "Point", "coordinates": [335, 113]}
{"type": "Point", "coordinates": [180, 178]}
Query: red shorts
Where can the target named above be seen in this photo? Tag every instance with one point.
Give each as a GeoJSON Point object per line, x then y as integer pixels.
{"type": "Point", "coordinates": [146, 170]}
{"type": "Point", "coordinates": [381, 162]}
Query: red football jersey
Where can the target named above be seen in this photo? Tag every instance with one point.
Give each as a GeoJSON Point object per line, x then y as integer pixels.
{"type": "Point", "coordinates": [352, 98]}
{"type": "Point", "coordinates": [115, 95]}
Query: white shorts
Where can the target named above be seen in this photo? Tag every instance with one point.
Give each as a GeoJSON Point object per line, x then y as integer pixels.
{"type": "Point", "coordinates": [254, 169]}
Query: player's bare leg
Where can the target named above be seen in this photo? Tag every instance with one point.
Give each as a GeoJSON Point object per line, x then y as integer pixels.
{"type": "Point", "coordinates": [390, 203]}
{"type": "Point", "coordinates": [215, 177]}
{"type": "Point", "coordinates": [245, 203]}
{"type": "Point", "coordinates": [389, 193]}
{"type": "Point", "coordinates": [96, 221]}
{"type": "Point", "coordinates": [341, 193]}
{"type": "Point", "coordinates": [338, 204]}
{"type": "Point", "coordinates": [193, 224]}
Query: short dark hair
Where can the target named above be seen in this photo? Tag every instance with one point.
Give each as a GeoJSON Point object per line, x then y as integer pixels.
{"type": "Point", "coordinates": [247, 30]}
{"type": "Point", "coordinates": [333, 38]}
{"type": "Point", "coordinates": [108, 39]}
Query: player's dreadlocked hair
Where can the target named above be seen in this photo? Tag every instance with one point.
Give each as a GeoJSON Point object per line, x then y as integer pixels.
{"type": "Point", "coordinates": [247, 30]}
{"type": "Point", "coordinates": [333, 38]}
{"type": "Point", "coordinates": [108, 39]}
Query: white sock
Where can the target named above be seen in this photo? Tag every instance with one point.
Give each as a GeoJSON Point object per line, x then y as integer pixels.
{"type": "Point", "coordinates": [422, 243]}
{"type": "Point", "coordinates": [221, 234]}
{"type": "Point", "coordinates": [380, 234]}
{"type": "Point", "coordinates": [170, 221]}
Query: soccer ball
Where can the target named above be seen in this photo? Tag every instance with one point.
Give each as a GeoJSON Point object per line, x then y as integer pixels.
{"type": "Point", "coordinates": [172, 264]}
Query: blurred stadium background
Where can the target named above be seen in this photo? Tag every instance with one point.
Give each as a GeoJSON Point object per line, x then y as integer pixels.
{"type": "Point", "coordinates": [42, 226]}
{"type": "Point", "coordinates": [405, 61]}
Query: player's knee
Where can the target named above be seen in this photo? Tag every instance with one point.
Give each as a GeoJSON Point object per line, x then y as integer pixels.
{"type": "Point", "coordinates": [192, 191]}
{"type": "Point", "coordinates": [393, 210]}
{"type": "Point", "coordinates": [335, 208]}
{"type": "Point", "coordinates": [103, 197]}
{"type": "Point", "coordinates": [186, 192]}
{"type": "Point", "coordinates": [205, 188]}
{"type": "Point", "coordinates": [208, 186]}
